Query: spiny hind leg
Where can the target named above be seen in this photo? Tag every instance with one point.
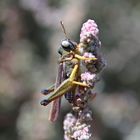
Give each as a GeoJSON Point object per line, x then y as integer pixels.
{"type": "Point", "coordinates": [48, 90]}
{"type": "Point", "coordinates": [73, 75]}
{"type": "Point", "coordinates": [64, 87]}
{"type": "Point", "coordinates": [71, 78]}
{"type": "Point", "coordinates": [80, 84]}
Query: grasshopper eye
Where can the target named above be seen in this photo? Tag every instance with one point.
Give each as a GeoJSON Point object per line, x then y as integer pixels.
{"type": "Point", "coordinates": [68, 45]}
{"type": "Point", "coordinates": [65, 43]}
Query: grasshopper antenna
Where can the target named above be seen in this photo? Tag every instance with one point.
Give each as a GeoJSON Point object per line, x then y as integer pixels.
{"type": "Point", "coordinates": [63, 28]}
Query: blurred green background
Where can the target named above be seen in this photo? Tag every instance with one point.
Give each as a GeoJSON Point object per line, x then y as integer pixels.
{"type": "Point", "coordinates": [30, 35]}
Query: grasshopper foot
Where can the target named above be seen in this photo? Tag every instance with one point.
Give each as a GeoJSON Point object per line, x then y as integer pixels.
{"type": "Point", "coordinates": [45, 91]}
{"type": "Point", "coordinates": [45, 102]}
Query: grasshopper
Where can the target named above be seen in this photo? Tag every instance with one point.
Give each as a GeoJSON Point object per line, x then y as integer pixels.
{"type": "Point", "coordinates": [68, 73]}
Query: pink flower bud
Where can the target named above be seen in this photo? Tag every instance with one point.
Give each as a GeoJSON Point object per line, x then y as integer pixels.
{"type": "Point", "coordinates": [89, 30]}
{"type": "Point", "coordinates": [87, 76]}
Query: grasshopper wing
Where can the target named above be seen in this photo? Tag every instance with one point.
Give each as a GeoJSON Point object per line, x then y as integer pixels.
{"type": "Point", "coordinates": [56, 104]}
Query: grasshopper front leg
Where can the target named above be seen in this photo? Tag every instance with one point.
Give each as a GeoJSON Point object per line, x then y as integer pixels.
{"type": "Point", "coordinates": [78, 57]}
{"type": "Point", "coordinates": [64, 87]}
{"type": "Point", "coordinates": [84, 58]}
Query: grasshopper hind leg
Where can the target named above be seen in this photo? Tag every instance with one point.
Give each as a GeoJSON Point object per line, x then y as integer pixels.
{"type": "Point", "coordinates": [45, 102]}
{"type": "Point", "coordinates": [64, 87]}
{"type": "Point", "coordinates": [48, 90]}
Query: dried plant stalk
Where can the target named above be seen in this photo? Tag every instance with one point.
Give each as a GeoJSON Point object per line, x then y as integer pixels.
{"type": "Point", "coordinates": [77, 123]}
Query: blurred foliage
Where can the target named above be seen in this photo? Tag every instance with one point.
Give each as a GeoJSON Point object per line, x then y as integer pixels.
{"type": "Point", "coordinates": [30, 35]}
